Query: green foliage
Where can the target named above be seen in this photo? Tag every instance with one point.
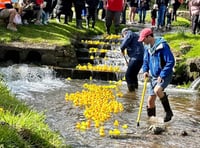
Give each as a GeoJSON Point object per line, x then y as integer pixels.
{"type": "Point", "coordinates": [9, 137]}
{"type": "Point", "coordinates": [176, 40]}
{"type": "Point", "coordinates": [22, 127]}
{"type": "Point", "coordinates": [181, 22]}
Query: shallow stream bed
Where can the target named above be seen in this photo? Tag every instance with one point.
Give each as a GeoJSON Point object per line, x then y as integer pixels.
{"type": "Point", "coordinates": [40, 90]}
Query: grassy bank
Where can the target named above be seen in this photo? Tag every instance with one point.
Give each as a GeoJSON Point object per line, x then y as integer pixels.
{"type": "Point", "coordinates": [52, 34]}
{"type": "Point", "coordinates": [22, 127]}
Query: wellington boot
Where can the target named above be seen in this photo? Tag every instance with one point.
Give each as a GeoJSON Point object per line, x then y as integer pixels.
{"type": "Point", "coordinates": [151, 112]}
{"type": "Point", "coordinates": [167, 108]}
{"type": "Point", "coordinates": [131, 87]}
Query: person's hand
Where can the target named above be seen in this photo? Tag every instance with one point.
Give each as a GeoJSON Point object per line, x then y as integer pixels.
{"type": "Point", "coordinates": [123, 53]}
{"type": "Point", "coordinates": [146, 75]}
{"type": "Point", "coordinates": [159, 80]}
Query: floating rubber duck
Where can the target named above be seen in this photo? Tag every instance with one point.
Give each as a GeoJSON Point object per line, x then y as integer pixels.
{"type": "Point", "coordinates": [125, 126]}
{"type": "Point", "coordinates": [116, 123]}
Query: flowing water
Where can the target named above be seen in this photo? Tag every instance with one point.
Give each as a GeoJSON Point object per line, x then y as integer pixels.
{"type": "Point", "coordinates": [38, 87]}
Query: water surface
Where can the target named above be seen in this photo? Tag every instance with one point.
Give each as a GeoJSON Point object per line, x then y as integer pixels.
{"type": "Point", "coordinates": [38, 87]}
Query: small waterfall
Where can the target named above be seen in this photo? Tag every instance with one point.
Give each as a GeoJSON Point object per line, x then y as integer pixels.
{"type": "Point", "coordinates": [27, 73]}
{"type": "Point", "coordinates": [195, 84]}
{"type": "Point", "coordinates": [25, 79]}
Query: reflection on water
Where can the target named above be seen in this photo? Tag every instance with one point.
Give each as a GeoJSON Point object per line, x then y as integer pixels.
{"type": "Point", "coordinates": [40, 89]}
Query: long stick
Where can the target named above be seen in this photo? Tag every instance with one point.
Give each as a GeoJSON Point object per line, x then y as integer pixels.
{"type": "Point", "coordinates": [142, 101]}
{"type": "Point", "coordinates": [125, 59]}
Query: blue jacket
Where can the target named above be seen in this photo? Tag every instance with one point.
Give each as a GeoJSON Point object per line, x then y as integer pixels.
{"type": "Point", "coordinates": [134, 48]}
{"type": "Point", "coordinates": [158, 59]}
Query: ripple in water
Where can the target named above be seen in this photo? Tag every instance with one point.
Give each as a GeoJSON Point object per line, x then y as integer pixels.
{"type": "Point", "coordinates": [39, 88]}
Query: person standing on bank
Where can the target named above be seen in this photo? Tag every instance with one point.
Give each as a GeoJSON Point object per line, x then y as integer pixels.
{"type": "Point", "coordinates": [135, 51]}
{"type": "Point", "coordinates": [158, 67]}
{"type": "Point", "coordinates": [113, 9]}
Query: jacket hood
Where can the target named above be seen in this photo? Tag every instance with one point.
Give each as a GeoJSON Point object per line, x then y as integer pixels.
{"type": "Point", "coordinates": [157, 45]}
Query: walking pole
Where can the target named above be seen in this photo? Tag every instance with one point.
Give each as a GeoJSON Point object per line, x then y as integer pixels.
{"type": "Point", "coordinates": [142, 101]}
{"type": "Point", "coordinates": [125, 59]}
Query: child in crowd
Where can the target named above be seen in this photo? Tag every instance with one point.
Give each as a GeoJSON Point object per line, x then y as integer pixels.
{"type": "Point", "coordinates": [154, 15]}
{"type": "Point", "coordinates": [169, 18]}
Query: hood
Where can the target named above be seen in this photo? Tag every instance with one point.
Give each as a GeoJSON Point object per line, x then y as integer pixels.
{"type": "Point", "coordinates": [157, 45]}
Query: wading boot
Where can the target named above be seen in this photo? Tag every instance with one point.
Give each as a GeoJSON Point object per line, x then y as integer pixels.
{"type": "Point", "coordinates": [151, 112]}
{"type": "Point", "coordinates": [167, 108]}
{"type": "Point", "coordinates": [131, 87]}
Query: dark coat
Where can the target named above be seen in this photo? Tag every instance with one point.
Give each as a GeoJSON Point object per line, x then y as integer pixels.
{"type": "Point", "coordinates": [134, 48]}
{"type": "Point", "coordinates": [92, 3]}
{"type": "Point", "coordinates": [63, 6]}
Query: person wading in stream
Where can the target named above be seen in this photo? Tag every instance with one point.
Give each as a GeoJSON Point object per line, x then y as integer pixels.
{"type": "Point", "coordinates": [159, 60]}
{"type": "Point", "coordinates": [135, 51]}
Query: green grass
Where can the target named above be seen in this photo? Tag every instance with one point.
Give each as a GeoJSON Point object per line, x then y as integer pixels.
{"type": "Point", "coordinates": [52, 34]}
{"type": "Point", "coordinates": [22, 127]}
{"type": "Point", "coordinates": [176, 40]}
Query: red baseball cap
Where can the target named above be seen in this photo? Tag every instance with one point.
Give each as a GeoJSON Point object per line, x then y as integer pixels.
{"type": "Point", "coordinates": [144, 33]}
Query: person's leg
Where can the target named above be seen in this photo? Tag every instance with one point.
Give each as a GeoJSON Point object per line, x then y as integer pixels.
{"type": "Point", "coordinates": [159, 18]}
{"type": "Point", "coordinates": [140, 15]}
{"type": "Point", "coordinates": [109, 18]}
{"type": "Point", "coordinates": [117, 21]}
{"type": "Point", "coordinates": [144, 16]}
{"type": "Point", "coordinates": [163, 11]}
{"type": "Point", "coordinates": [10, 14]}
{"type": "Point", "coordinates": [38, 16]}
{"type": "Point", "coordinates": [133, 14]}
{"type": "Point", "coordinates": [130, 14]}
{"type": "Point", "coordinates": [175, 8]}
{"type": "Point", "coordinates": [58, 14]}
{"type": "Point", "coordinates": [93, 16]}
{"type": "Point", "coordinates": [159, 91]}
{"type": "Point", "coordinates": [78, 11]}
{"type": "Point", "coordinates": [123, 16]}
{"type": "Point", "coordinates": [198, 25]}
{"type": "Point", "coordinates": [151, 107]}
{"type": "Point", "coordinates": [133, 69]}
{"type": "Point", "coordinates": [88, 17]}
{"type": "Point", "coordinates": [103, 15]}
{"type": "Point", "coordinates": [194, 23]}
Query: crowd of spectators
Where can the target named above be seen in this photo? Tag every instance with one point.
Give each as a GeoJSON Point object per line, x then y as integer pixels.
{"type": "Point", "coordinates": [163, 12]}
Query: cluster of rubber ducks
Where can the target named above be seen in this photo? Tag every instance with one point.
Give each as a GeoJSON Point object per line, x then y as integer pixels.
{"type": "Point", "coordinates": [98, 107]}
{"type": "Point", "coordinates": [94, 50]}
{"type": "Point", "coordinates": [103, 68]}
{"type": "Point", "coordinates": [112, 36]}
{"type": "Point", "coordinates": [101, 42]}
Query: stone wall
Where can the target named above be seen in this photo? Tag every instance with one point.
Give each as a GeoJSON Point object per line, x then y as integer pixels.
{"type": "Point", "coordinates": [61, 56]}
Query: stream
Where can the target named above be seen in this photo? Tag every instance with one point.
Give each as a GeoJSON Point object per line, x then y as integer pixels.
{"type": "Point", "coordinates": [41, 90]}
